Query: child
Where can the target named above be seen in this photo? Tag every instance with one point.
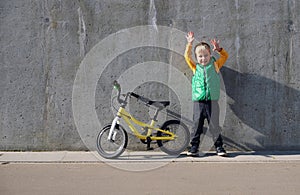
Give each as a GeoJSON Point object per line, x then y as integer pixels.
{"type": "Point", "coordinates": [205, 91]}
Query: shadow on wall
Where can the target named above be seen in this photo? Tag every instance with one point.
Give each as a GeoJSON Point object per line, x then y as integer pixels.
{"type": "Point", "coordinates": [270, 108]}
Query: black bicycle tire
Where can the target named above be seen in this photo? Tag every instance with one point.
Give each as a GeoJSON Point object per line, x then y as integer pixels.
{"type": "Point", "coordinates": [122, 147]}
{"type": "Point", "coordinates": [186, 139]}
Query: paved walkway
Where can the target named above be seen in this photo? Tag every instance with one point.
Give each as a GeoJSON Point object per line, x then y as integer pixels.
{"type": "Point", "coordinates": [93, 157]}
{"type": "Point", "coordinates": [66, 172]}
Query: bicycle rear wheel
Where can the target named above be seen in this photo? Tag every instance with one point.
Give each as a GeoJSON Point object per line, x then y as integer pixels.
{"type": "Point", "coordinates": [114, 147]}
{"type": "Point", "coordinates": [181, 141]}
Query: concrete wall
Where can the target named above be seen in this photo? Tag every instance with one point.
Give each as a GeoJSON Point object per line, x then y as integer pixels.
{"type": "Point", "coordinates": [43, 44]}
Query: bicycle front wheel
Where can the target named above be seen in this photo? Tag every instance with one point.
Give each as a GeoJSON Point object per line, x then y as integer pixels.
{"type": "Point", "coordinates": [181, 141]}
{"type": "Point", "coordinates": [114, 147]}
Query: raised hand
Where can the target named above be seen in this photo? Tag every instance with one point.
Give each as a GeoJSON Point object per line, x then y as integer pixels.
{"type": "Point", "coordinates": [215, 43]}
{"type": "Point", "coordinates": [190, 37]}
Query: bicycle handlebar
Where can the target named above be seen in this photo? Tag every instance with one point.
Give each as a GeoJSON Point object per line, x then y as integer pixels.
{"type": "Point", "coordinates": [134, 95]}
{"type": "Point", "coordinates": [124, 102]}
{"type": "Point", "coordinates": [143, 99]}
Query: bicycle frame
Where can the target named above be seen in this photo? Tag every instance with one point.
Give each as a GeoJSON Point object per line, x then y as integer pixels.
{"type": "Point", "coordinates": [127, 117]}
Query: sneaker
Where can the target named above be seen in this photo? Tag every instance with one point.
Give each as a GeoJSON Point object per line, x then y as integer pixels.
{"type": "Point", "coordinates": [193, 151]}
{"type": "Point", "coordinates": [221, 151]}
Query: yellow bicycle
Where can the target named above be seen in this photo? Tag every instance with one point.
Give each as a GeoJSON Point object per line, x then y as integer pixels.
{"type": "Point", "coordinates": [172, 137]}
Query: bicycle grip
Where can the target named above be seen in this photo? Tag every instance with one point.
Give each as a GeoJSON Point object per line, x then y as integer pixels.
{"type": "Point", "coordinates": [141, 98]}
{"type": "Point", "coordinates": [134, 95]}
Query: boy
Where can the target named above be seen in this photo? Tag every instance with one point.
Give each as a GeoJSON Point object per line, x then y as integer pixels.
{"type": "Point", "coordinates": [205, 91]}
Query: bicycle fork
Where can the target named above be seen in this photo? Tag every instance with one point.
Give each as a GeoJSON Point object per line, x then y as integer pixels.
{"type": "Point", "coordinates": [112, 134]}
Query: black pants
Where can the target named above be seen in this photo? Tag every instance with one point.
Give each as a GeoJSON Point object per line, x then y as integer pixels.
{"type": "Point", "coordinates": [206, 110]}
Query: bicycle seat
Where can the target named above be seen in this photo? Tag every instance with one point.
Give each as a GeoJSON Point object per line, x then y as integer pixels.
{"type": "Point", "coordinates": [159, 104]}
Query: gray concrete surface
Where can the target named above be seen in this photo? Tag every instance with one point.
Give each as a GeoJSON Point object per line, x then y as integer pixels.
{"type": "Point", "coordinates": [43, 44]}
{"type": "Point", "coordinates": [145, 156]}
{"type": "Point", "coordinates": [82, 173]}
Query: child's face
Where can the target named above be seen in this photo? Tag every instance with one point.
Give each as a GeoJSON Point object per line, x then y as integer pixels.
{"type": "Point", "coordinates": [203, 56]}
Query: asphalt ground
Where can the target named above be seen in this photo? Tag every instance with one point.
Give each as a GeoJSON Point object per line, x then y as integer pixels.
{"type": "Point", "coordinates": [67, 172]}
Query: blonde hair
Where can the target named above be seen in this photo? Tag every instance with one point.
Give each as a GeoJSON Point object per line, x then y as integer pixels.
{"type": "Point", "coordinates": [203, 46]}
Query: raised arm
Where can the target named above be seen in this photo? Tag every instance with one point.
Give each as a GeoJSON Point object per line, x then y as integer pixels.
{"type": "Point", "coordinates": [188, 51]}
{"type": "Point", "coordinates": [223, 54]}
